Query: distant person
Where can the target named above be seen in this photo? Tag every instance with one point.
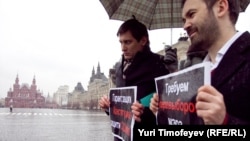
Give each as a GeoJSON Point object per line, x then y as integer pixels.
{"type": "Point", "coordinates": [142, 66]}
{"type": "Point", "coordinates": [11, 108]}
{"type": "Point", "coordinates": [226, 101]}
{"type": "Point", "coordinates": [194, 56]}
{"type": "Point", "coordinates": [170, 58]}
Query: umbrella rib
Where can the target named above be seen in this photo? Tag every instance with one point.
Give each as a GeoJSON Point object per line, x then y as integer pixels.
{"type": "Point", "coordinates": [171, 21]}
{"type": "Point", "coordinates": [150, 23]}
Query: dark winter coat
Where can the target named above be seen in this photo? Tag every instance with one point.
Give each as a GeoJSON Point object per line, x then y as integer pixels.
{"type": "Point", "coordinates": [232, 79]}
{"type": "Point", "coordinates": [145, 66]}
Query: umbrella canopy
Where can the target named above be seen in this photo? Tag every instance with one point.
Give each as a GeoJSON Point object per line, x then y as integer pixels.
{"type": "Point", "coordinates": [155, 14]}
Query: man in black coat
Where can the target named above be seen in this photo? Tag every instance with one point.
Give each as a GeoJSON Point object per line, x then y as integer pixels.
{"type": "Point", "coordinates": [138, 67]}
{"type": "Point", "coordinates": [226, 100]}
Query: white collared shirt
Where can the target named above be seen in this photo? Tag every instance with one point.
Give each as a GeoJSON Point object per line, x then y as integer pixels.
{"type": "Point", "coordinates": [222, 51]}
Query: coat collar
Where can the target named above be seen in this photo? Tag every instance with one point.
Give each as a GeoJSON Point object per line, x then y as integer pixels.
{"type": "Point", "coordinates": [234, 58]}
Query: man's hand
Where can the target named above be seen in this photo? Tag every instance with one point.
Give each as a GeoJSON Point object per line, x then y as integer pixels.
{"type": "Point", "coordinates": [137, 110]}
{"type": "Point", "coordinates": [210, 105]}
{"type": "Point", "coordinates": [104, 102]}
{"type": "Point", "coordinates": [154, 103]}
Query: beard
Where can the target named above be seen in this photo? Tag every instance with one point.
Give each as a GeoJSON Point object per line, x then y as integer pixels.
{"type": "Point", "coordinates": [207, 33]}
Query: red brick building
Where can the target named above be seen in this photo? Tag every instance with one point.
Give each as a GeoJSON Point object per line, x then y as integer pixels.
{"type": "Point", "coordinates": [24, 96]}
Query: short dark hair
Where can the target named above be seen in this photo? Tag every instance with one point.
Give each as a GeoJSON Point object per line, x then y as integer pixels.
{"type": "Point", "coordinates": [137, 29]}
{"type": "Point", "coordinates": [234, 8]}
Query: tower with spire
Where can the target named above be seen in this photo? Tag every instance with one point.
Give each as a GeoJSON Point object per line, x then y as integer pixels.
{"type": "Point", "coordinates": [98, 74]}
{"type": "Point", "coordinates": [25, 96]}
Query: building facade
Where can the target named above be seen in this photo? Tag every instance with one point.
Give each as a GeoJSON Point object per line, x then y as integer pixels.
{"type": "Point", "coordinates": [76, 98]}
{"type": "Point", "coordinates": [2, 102]}
{"type": "Point", "coordinates": [97, 87]}
{"type": "Point", "coordinates": [24, 96]}
{"type": "Point", "coordinates": [61, 96]}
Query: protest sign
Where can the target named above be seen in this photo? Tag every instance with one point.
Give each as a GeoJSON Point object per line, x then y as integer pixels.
{"type": "Point", "coordinates": [177, 93]}
{"type": "Point", "coordinates": [122, 121]}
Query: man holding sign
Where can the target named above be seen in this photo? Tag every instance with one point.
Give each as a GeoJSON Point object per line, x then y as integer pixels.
{"type": "Point", "coordinates": [139, 66]}
{"type": "Point", "coordinates": [226, 100]}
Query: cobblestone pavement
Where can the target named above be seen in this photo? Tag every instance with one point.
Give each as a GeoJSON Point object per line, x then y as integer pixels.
{"type": "Point", "coordinates": [53, 125]}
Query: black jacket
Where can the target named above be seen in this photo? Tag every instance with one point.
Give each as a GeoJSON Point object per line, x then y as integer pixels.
{"type": "Point", "coordinates": [232, 79]}
{"type": "Point", "coordinates": [145, 66]}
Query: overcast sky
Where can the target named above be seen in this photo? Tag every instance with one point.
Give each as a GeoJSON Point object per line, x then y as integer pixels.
{"type": "Point", "coordinates": [60, 41]}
